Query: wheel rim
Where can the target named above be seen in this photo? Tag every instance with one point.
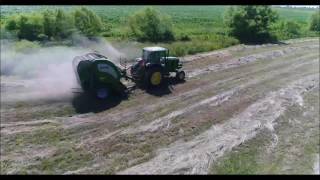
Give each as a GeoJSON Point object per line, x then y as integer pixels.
{"type": "Point", "coordinates": [102, 93]}
{"type": "Point", "coordinates": [156, 78]}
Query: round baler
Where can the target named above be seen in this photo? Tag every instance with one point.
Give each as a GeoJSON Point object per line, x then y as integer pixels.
{"type": "Point", "coordinates": [97, 75]}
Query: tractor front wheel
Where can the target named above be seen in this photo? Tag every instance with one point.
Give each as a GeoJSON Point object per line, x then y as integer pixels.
{"type": "Point", "coordinates": [154, 77]}
{"type": "Point", "coordinates": [180, 75]}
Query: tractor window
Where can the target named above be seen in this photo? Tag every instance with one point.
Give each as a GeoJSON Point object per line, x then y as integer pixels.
{"type": "Point", "coordinates": [157, 56]}
{"type": "Point", "coordinates": [145, 55]}
{"type": "Point", "coordinates": [154, 56]}
{"type": "Point", "coordinates": [151, 56]}
{"type": "Point", "coordinates": [163, 54]}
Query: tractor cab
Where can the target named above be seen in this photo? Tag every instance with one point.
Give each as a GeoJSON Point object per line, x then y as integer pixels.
{"type": "Point", "coordinates": [154, 55]}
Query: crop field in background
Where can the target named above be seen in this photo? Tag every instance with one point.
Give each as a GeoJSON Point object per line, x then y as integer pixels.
{"type": "Point", "coordinates": [192, 19]}
{"type": "Point", "coordinates": [179, 13]}
{"type": "Point", "coordinates": [203, 25]}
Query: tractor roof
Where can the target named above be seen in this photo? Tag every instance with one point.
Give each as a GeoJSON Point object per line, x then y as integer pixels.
{"type": "Point", "coordinates": [155, 48]}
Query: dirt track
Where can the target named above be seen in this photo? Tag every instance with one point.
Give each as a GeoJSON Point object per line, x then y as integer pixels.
{"type": "Point", "coordinates": [230, 98]}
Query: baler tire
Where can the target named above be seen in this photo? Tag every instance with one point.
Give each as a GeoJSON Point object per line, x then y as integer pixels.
{"type": "Point", "coordinates": [106, 91]}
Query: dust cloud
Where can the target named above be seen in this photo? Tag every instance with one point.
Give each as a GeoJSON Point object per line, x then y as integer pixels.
{"type": "Point", "coordinates": [46, 72]}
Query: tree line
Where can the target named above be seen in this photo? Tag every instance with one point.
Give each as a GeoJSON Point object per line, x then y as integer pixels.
{"type": "Point", "coordinates": [259, 24]}
{"type": "Point", "coordinates": [54, 24]}
{"type": "Point", "coordinates": [248, 24]}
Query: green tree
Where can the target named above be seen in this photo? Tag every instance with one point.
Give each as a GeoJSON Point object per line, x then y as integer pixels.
{"type": "Point", "coordinates": [315, 22]}
{"type": "Point", "coordinates": [10, 26]}
{"type": "Point", "coordinates": [250, 24]}
{"type": "Point", "coordinates": [29, 27]}
{"type": "Point", "coordinates": [11, 23]}
{"type": "Point", "coordinates": [64, 25]}
{"type": "Point", "coordinates": [150, 25]}
{"type": "Point", "coordinates": [49, 25]}
{"type": "Point", "coordinates": [87, 22]}
{"type": "Point", "coordinates": [53, 25]}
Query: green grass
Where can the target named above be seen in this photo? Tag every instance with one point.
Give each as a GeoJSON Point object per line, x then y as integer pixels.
{"type": "Point", "coordinates": [48, 135]}
{"type": "Point", "coordinates": [239, 163]}
{"type": "Point", "coordinates": [301, 15]}
{"type": "Point", "coordinates": [187, 14]}
{"type": "Point", "coordinates": [294, 153]}
{"type": "Point", "coordinates": [248, 158]}
{"type": "Point", "coordinates": [63, 111]}
{"type": "Point", "coordinates": [65, 159]}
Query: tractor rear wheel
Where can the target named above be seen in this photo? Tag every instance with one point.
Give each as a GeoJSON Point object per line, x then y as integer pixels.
{"type": "Point", "coordinates": [154, 77]}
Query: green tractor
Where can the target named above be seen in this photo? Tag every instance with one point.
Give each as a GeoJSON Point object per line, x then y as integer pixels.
{"type": "Point", "coordinates": [155, 65]}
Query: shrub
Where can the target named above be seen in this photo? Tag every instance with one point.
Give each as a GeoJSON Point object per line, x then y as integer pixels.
{"type": "Point", "coordinates": [11, 24]}
{"type": "Point", "coordinates": [150, 25]}
{"type": "Point", "coordinates": [178, 50]}
{"type": "Point", "coordinates": [54, 24]}
{"type": "Point", "coordinates": [293, 28]}
{"type": "Point", "coordinates": [26, 46]}
{"type": "Point", "coordinates": [213, 42]}
{"type": "Point", "coordinates": [288, 29]}
{"type": "Point", "coordinates": [6, 34]}
{"type": "Point", "coordinates": [315, 22]}
{"type": "Point", "coordinates": [185, 37]}
{"type": "Point", "coordinates": [250, 24]}
{"type": "Point", "coordinates": [29, 27]}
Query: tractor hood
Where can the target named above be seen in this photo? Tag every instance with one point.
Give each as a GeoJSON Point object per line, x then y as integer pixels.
{"type": "Point", "coordinates": [172, 58]}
